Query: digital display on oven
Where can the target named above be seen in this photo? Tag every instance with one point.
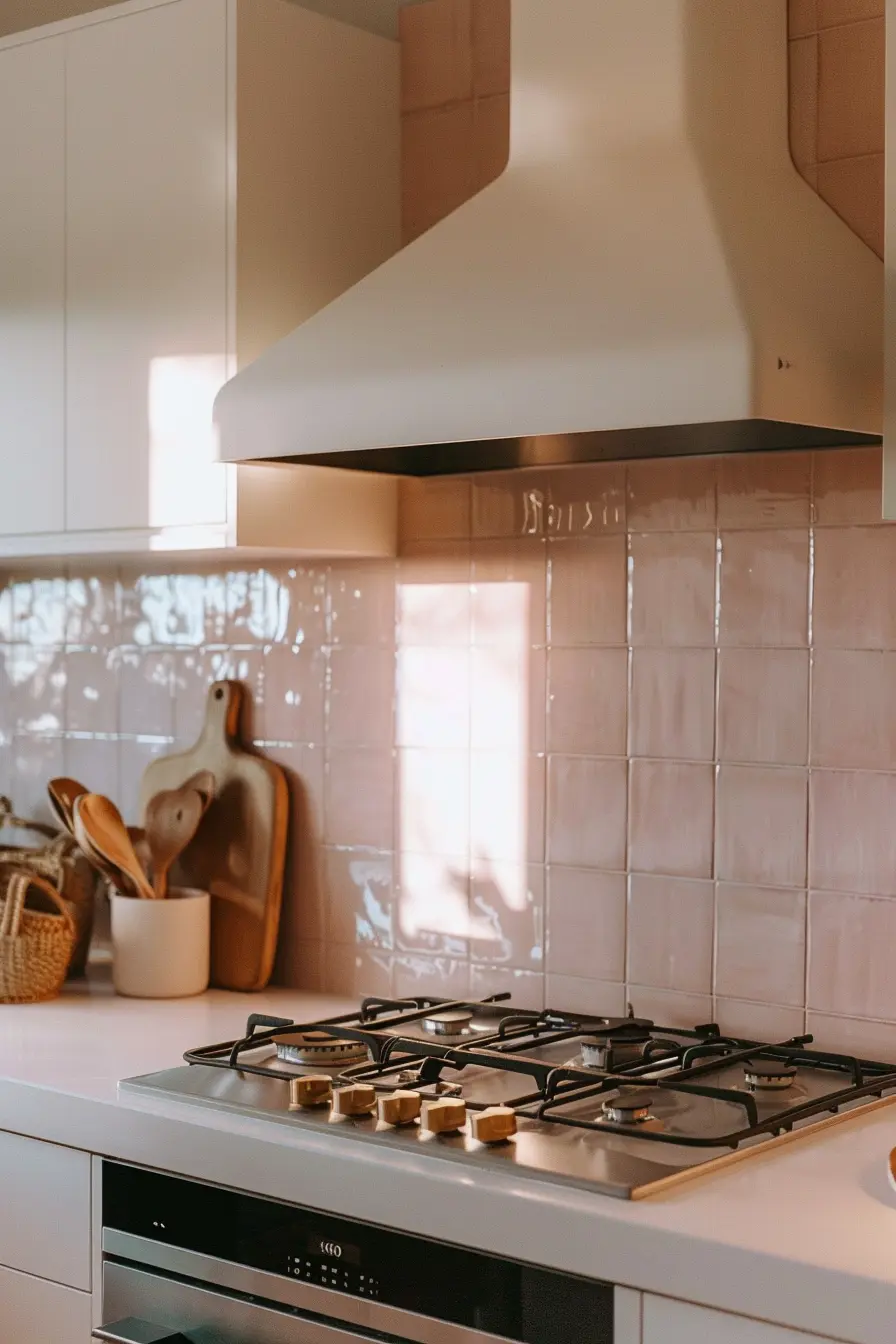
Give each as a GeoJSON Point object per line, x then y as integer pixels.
{"type": "Point", "coordinates": [329, 1249]}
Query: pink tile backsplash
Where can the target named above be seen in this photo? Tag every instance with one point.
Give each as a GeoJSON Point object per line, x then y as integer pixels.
{"type": "Point", "coordinates": [592, 738]}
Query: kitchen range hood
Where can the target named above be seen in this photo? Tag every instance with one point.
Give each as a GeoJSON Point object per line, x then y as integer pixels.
{"type": "Point", "coordinates": [650, 275]}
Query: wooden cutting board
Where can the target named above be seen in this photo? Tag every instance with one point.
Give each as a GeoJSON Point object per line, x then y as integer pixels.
{"type": "Point", "coordinates": [239, 851]}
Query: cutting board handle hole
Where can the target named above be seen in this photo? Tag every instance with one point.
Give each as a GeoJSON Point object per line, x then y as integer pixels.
{"type": "Point", "coordinates": [219, 693]}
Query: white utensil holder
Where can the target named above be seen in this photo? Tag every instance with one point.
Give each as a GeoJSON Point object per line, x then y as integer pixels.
{"type": "Point", "coordinates": [161, 948]}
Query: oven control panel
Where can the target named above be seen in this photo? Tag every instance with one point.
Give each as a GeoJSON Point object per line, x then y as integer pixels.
{"type": "Point", "coordinates": [332, 1264]}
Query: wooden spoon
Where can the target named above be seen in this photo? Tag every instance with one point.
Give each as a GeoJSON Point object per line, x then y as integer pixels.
{"type": "Point", "coordinates": [100, 822]}
{"type": "Point", "coordinates": [172, 819]}
{"type": "Point", "coordinates": [63, 793]}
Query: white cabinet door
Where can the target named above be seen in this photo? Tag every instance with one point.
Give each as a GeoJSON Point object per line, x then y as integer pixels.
{"type": "Point", "coordinates": [44, 1211]}
{"type": "Point", "coordinates": [33, 1311]}
{"type": "Point", "coordinates": [32, 287]}
{"type": "Point", "coordinates": [146, 219]}
{"type": "Point", "coordinates": [668, 1322]}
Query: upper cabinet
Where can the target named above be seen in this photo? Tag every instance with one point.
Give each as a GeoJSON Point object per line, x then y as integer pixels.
{"type": "Point", "coordinates": [194, 179]}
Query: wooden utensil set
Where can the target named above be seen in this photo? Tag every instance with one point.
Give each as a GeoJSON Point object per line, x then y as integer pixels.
{"type": "Point", "coordinates": [135, 861]}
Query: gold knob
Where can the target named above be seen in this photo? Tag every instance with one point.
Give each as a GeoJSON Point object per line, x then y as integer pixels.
{"type": "Point", "coordinates": [495, 1125]}
{"type": "Point", "coordinates": [312, 1089]}
{"type": "Point", "coordinates": [444, 1117]}
{"type": "Point", "coordinates": [357, 1099]}
{"type": "Point", "coordinates": [402, 1108]}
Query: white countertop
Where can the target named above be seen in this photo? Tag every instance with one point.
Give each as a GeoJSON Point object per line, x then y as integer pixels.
{"type": "Point", "coordinates": [805, 1236]}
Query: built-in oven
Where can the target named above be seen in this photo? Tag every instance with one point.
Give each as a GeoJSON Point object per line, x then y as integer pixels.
{"type": "Point", "coordinates": [186, 1261]}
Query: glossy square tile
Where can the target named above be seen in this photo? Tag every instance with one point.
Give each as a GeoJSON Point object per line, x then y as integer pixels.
{"type": "Point", "coordinates": [303, 913]}
{"type": "Point", "coordinates": [361, 700]}
{"type": "Point", "coordinates": [433, 596]}
{"type": "Point", "coordinates": [587, 808]}
{"type": "Point", "coordinates": [673, 584]}
{"type": "Point", "coordinates": [850, 955]}
{"type": "Point", "coordinates": [436, 508]}
{"type": "Point", "coordinates": [134, 755]}
{"type": "Point", "coordinates": [94, 762]}
{"type": "Point", "coordinates": [146, 610]}
{"type": "Point", "coordinates": [853, 609]}
{"type": "Point", "coordinates": [415, 975]}
{"type": "Point", "coordinates": [588, 701]}
{"type": "Point", "coordinates": [526, 988]}
{"type": "Point", "coordinates": [39, 611]}
{"type": "Point", "coordinates": [761, 826]}
{"type": "Point", "coordinates": [360, 599]}
{"type": "Point", "coordinates": [508, 699]}
{"type": "Point", "coordinates": [670, 924]}
{"type": "Point", "coordinates": [146, 693]}
{"type": "Point", "coordinates": [574, 994]}
{"type": "Point", "coordinates": [585, 501]}
{"type": "Point", "coordinates": [359, 898]}
{"type": "Point", "coordinates": [509, 596]}
{"type": "Point", "coordinates": [294, 694]}
{"type": "Point", "coordinates": [301, 965]}
{"type": "Point", "coordinates": [432, 704]}
{"type": "Point", "coordinates": [432, 904]}
{"type": "Point", "coordinates": [761, 944]}
{"type": "Point", "coordinates": [298, 602]}
{"type": "Point", "coordinates": [359, 792]}
{"type": "Point", "coordinates": [433, 802]}
{"type": "Point", "coordinates": [357, 972]}
{"type": "Point", "coordinates": [32, 762]}
{"type": "Point", "coordinates": [512, 505]}
{"type": "Point", "coordinates": [759, 1021]}
{"type": "Point", "coordinates": [39, 691]}
{"type": "Point", "coordinates": [507, 914]}
{"type": "Point", "coordinates": [851, 57]}
{"type": "Point", "coordinates": [854, 709]}
{"type": "Point", "coordinates": [852, 1036]}
{"type": "Point", "coordinates": [669, 1006]}
{"type": "Point", "coordinates": [672, 495]}
{"type": "Point", "coordinates": [852, 840]}
{"type": "Point", "coordinates": [587, 591]}
{"type": "Point", "coordinates": [765, 490]}
{"type": "Point", "coordinates": [670, 818]}
{"type": "Point", "coordinates": [765, 589]}
{"type": "Point", "coordinates": [92, 600]}
{"type": "Point", "coordinates": [586, 924]}
{"type": "Point", "coordinates": [764, 706]}
{"type": "Point", "coordinates": [671, 712]}
{"type": "Point", "coordinates": [507, 807]}
{"type": "Point", "coordinates": [304, 764]}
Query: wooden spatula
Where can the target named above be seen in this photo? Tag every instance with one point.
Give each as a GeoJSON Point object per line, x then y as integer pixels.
{"type": "Point", "coordinates": [99, 827]}
{"type": "Point", "coordinates": [172, 819]}
{"type": "Point", "coordinates": [63, 793]}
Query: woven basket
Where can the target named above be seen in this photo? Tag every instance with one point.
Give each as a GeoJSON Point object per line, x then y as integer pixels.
{"type": "Point", "coordinates": [59, 860]}
{"type": "Point", "coordinates": [35, 945]}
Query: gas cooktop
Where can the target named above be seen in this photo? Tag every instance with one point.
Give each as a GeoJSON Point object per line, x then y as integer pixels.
{"type": "Point", "coordinates": [617, 1105]}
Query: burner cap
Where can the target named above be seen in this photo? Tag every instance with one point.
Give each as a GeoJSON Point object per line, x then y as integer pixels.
{"type": "Point", "coordinates": [629, 1107]}
{"type": "Point", "coordinates": [451, 1022]}
{"type": "Point", "coordinates": [769, 1075]}
{"type": "Point", "coordinates": [317, 1048]}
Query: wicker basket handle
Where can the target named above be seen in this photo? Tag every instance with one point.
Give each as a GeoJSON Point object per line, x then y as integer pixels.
{"type": "Point", "coordinates": [9, 818]}
{"type": "Point", "coordinates": [17, 893]}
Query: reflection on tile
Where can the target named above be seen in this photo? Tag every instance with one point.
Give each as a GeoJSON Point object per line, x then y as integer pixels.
{"type": "Point", "coordinates": [511, 503]}
{"type": "Point", "coordinates": [433, 904]}
{"type": "Point", "coordinates": [765, 589]}
{"type": "Point", "coordinates": [505, 787]}
{"type": "Point", "coordinates": [848, 486]}
{"type": "Point", "coordinates": [586, 923]}
{"type": "Point", "coordinates": [507, 903]}
{"type": "Point", "coordinates": [298, 600]}
{"type": "Point", "coordinates": [34, 761]}
{"type": "Point", "coordinates": [526, 988]}
{"type": "Point", "coordinates": [672, 495]}
{"type": "Point", "coordinates": [854, 709]}
{"type": "Point", "coordinates": [587, 591]}
{"type": "Point", "coordinates": [508, 698]}
{"type": "Point", "coordinates": [586, 812]}
{"type": "Point", "coordinates": [358, 890]}
{"type": "Point", "coordinates": [670, 933]}
{"type": "Point", "coordinates": [293, 702]}
{"type": "Point", "coordinates": [433, 697]}
{"type": "Point", "coordinates": [416, 975]}
{"type": "Point", "coordinates": [761, 826]}
{"type": "Point", "coordinates": [146, 692]}
{"type": "Point", "coordinates": [587, 705]}
{"type": "Point", "coordinates": [673, 578]}
{"type": "Point", "coordinates": [39, 611]}
{"type": "Point", "coordinates": [433, 599]}
{"type": "Point", "coordinates": [852, 839]}
{"type": "Point", "coordinates": [670, 818]}
{"type": "Point", "coordinates": [92, 609]}
{"type": "Point", "coordinates": [361, 601]}
{"type": "Point", "coordinates": [761, 944]}
{"type": "Point", "coordinates": [765, 490]}
{"type": "Point", "coordinates": [433, 802]}
{"type": "Point", "coordinates": [509, 599]}
{"type": "Point", "coordinates": [851, 955]}
{"type": "Point", "coordinates": [764, 705]}
{"type": "Point", "coordinates": [38, 687]}
{"type": "Point", "coordinates": [672, 703]}
{"type": "Point", "coordinates": [586, 501]}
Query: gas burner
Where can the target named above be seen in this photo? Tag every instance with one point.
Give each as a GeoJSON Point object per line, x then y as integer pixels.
{"type": "Point", "coordinates": [319, 1050]}
{"type": "Point", "coordinates": [611, 1053]}
{"type": "Point", "coordinates": [629, 1107]}
{"type": "Point", "coordinates": [452, 1022]}
{"type": "Point", "coordinates": [769, 1075]}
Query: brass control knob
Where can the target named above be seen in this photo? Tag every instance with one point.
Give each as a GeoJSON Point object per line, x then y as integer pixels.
{"type": "Point", "coordinates": [357, 1099]}
{"type": "Point", "coordinates": [313, 1089]}
{"type": "Point", "coordinates": [401, 1108]}
{"type": "Point", "coordinates": [444, 1117]}
{"type": "Point", "coordinates": [496, 1125]}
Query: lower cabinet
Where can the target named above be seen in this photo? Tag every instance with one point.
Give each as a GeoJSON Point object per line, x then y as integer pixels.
{"type": "Point", "coordinates": [33, 1311]}
{"type": "Point", "coordinates": [668, 1322]}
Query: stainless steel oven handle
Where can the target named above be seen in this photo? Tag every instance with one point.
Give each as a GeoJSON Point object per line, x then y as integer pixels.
{"type": "Point", "coordinates": [132, 1331]}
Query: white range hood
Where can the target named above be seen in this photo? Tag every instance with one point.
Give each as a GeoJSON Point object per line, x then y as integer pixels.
{"type": "Point", "coordinates": [650, 275]}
